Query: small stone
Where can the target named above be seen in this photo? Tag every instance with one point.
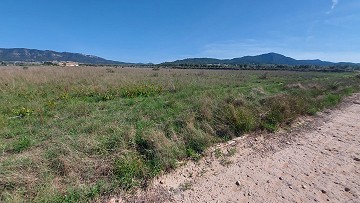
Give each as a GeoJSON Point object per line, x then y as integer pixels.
{"type": "Point", "coordinates": [268, 181]}
{"type": "Point", "coordinates": [161, 182]}
{"type": "Point", "coordinates": [347, 189]}
{"type": "Point", "coordinates": [256, 139]}
{"type": "Point", "coordinates": [290, 187]}
{"type": "Point", "coordinates": [249, 194]}
{"type": "Point", "coordinates": [280, 178]}
{"type": "Point", "coordinates": [303, 186]}
{"type": "Point", "coordinates": [237, 183]}
{"type": "Point", "coordinates": [356, 159]}
{"type": "Point", "coordinates": [323, 191]}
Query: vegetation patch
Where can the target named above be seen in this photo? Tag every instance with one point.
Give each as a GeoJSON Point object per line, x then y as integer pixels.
{"type": "Point", "coordinates": [76, 135]}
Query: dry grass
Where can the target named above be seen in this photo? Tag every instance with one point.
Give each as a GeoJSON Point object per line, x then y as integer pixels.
{"type": "Point", "coordinates": [75, 134]}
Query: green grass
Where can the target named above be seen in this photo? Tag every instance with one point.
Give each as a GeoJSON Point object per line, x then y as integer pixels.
{"type": "Point", "coordinates": [79, 134]}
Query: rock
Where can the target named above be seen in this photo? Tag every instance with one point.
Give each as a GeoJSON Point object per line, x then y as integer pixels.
{"type": "Point", "coordinates": [347, 189]}
{"type": "Point", "coordinates": [256, 139]}
{"type": "Point", "coordinates": [323, 191]}
{"type": "Point", "coordinates": [232, 143]}
{"type": "Point", "coordinates": [356, 159]}
{"type": "Point", "coordinates": [161, 182]}
{"type": "Point", "coordinates": [237, 183]}
{"type": "Point", "coordinates": [290, 187]}
{"type": "Point", "coordinates": [303, 186]}
{"type": "Point", "coordinates": [115, 200]}
{"type": "Point", "coordinates": [280, 178]}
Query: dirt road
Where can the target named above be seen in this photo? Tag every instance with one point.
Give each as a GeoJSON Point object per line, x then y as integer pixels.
{"type": "Point", "coordinates": [317, 161]}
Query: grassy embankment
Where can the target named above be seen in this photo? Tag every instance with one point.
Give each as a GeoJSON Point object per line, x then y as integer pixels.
{"type": "Point", "coordinates": [76, 134]}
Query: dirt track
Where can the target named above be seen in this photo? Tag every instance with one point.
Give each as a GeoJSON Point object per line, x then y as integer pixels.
{"type": "Point", "coordinates": [317, 161]}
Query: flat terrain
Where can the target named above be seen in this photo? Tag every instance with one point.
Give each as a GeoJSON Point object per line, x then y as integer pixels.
{"type": "Point", "coordinates": [317, 161]}
{"type": "Point", "coordinates": [82, 134]}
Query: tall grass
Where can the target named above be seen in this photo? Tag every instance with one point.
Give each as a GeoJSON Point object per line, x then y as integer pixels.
{"type": "Point", "coordinates": [76, 134]}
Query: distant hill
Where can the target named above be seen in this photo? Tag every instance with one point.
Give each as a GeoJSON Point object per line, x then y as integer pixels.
{"type": "Point", "coordinates": [269, 58]}
{"type": "Point", "coordinates": [34, 55]}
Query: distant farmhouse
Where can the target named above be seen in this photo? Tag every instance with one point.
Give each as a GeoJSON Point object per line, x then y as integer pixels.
{"type": "Point", "coordinates": [69, 64]}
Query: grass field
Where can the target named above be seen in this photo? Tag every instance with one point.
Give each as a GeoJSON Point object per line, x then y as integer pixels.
{"type": "Point", "coordinates": [78, 134]}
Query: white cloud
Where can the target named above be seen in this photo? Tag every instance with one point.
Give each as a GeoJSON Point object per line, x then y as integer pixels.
{"type": "Point", "coordinates": [334, 3]}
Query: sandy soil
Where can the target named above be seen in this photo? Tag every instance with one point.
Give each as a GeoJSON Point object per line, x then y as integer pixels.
{"type": "Point", "coordinates": [316, 160]}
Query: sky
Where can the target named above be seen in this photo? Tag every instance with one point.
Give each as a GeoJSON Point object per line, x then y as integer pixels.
{"type": "Point", "coordinates": [154, 31]}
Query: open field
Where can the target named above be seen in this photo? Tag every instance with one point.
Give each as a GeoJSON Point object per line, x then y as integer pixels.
{"type": "Point", "coordinates": [77, 134]}
{"type": "Point", "coordinates": [318, 160]}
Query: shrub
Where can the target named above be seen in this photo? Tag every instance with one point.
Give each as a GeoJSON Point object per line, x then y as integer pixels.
{"type": "Point", "coordinates": [110, 70]}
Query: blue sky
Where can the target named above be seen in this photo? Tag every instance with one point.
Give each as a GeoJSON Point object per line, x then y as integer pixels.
{"type": "Point", "coordinates": [165, 30]}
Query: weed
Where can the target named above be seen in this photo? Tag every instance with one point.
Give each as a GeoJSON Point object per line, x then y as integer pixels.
{"type": "Point", "coordinates": [331, 100]}
{"type": "Point", "coordinates": [196, 146]}
{"type": "Point", "coordinates": [264, 76]}
{"type": "Point", "coordinates": [218, 153]}
{"type": "Point", "coordinates": [110, 70]}
{"type": "Point", "coordinates": [185, 186]}
{"type": "Point", "coordinates": [141, 90]}
{"type": "Point", "coordinates": [225, 162]}
{"type": "Point", "coordinates": [22, 144]}
{"type": "Point", "coordinates": [22, 112]}
{"type": "Point", "coordinates": [129, 171]}
{"type": "Point", "coordinates": [231, 152]}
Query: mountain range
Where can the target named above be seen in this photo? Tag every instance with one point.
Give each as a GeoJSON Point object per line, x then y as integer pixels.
{"type": "Point", "coordinates": [269, 58]}
{"type": "Point", "coordinates": [34, 55]}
